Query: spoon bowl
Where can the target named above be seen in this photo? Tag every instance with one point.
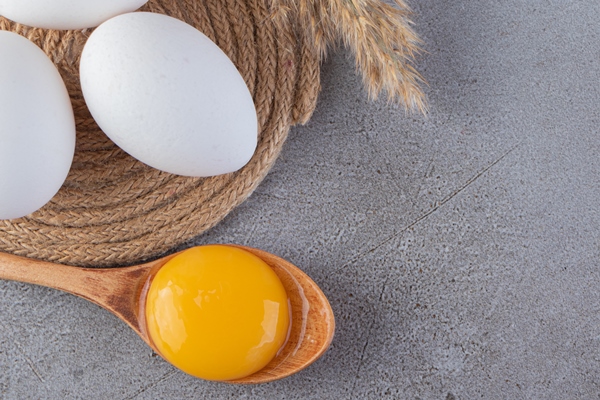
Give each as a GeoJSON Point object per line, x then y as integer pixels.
{"type": "Point", "coordinates": [122, 291]}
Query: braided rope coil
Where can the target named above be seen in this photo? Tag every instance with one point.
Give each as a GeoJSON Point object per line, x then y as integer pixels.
{"type": "Point", "coordinates": [114, 210]}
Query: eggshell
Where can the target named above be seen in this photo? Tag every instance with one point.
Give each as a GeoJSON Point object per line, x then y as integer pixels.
{"type": "Point", "coordinates": [168, 96]}
{"type": "Point", "coordinates": [66, 14]}
{"type": "Point", "coordinates": [37, 127]}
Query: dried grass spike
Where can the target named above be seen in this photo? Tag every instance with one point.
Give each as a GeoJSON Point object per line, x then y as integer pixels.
{"type": "Point", "coordinates": [379, 34]}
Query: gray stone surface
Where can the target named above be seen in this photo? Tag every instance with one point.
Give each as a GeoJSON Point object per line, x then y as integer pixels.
{"type": "Point", "coordinates": [460, 251]}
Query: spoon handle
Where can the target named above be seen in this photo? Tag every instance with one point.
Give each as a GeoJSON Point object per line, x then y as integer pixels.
{"type": "Point", "coordinates": [115, 289]}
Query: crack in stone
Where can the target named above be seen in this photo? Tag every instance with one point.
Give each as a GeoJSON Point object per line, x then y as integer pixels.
{"type": "Point", "coordinates": [430, 212]}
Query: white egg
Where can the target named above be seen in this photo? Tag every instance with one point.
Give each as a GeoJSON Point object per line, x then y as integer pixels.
{"type": "Point", "coordinates": [37, 127]}
{"type": "Point", "coordinates": [168, 96]}
{"type": "Point", "coordinates": [66, 14]}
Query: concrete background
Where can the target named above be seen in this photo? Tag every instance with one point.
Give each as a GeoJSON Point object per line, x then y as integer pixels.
{"type": "Point", "coordinates": [460, 252]}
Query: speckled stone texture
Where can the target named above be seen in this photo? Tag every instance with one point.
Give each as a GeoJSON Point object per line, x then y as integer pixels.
{"type": "Point", "coordinates": [460, 251]}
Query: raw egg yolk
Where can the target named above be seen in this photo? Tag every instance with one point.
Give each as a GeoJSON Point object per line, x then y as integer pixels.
{"type": "Point", "coordinates": [217, 312]}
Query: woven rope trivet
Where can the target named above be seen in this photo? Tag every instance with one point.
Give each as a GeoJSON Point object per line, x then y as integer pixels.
{"type": "Point", "coordinates": [114, 210]}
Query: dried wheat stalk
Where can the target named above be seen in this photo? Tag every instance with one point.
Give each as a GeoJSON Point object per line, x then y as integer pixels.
{"type": "Point", "coordinates": [378, 33]}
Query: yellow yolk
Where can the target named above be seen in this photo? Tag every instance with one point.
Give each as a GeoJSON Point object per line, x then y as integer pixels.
{"type": "Point", "coordinates": [217, 312]}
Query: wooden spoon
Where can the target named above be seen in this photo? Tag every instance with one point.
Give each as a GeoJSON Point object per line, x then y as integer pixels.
{"type": "Point", "coordinates": [123, 292]}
